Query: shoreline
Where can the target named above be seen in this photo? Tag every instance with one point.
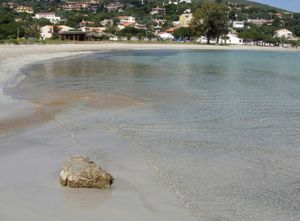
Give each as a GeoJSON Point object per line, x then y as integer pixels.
{"type": "Point", "coordinates": [13, 51]}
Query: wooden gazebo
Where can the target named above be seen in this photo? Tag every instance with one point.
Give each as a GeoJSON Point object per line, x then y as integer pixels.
{"type": "Point", "coordinates": [72, 35]}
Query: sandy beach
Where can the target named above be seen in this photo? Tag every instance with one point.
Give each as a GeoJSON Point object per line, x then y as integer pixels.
{"type": "Point", "coordinates": [13, 51]}
{"type": "Point", "coordinates": [34, 144]}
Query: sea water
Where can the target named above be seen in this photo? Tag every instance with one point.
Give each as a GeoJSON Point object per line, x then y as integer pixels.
{"type": "Point", "coordinates": [221, 129]}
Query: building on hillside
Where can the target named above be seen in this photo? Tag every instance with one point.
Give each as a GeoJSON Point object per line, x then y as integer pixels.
{"type": "Point", "coordinates": [158, 10]}
{"type": "Point", "coordinates": [47, 31]}
{"type": "Point", "coordinates": [140, 26]}
{"type": "Point", "coordinates": [126, 19]}
{"type": "Point", "coordinates": [170, 30]}
{"type": "Point", "coordinates": [260, 22]}
{"type": "Point", "coordinates": [78, 6]}
{"type": "Point", "coordinates": [115, 6]}
{"type": "Point", "coordinates": [176, 24]}
{"type": "Point", "coordinates": [185, 19]}
{"type": "Point", "coordinates": [187, 11]}
{"type": "Point", "coordinates": [176, 2]}
{"type": "Point", "coordinates": [185, 1]}
{"type": "Point", "coordinates": [238, 24]}
{"type": "Point", "coordinates": [48, 15]}
{"type": "Point", "coordinates": [283, 33]}
{"type": "Point", "coordinates": [279, 15]}
{"type": "Point", "coordinates": [24, 9]}
{"type": "Point", "coordinates": [157, 29]}
{"type": "Point", "coordinates": [159, 21]}
{"type": "Point", "coordinates": [84, 23]}
{"type": "Point", "coordinates": [11, 5]}
{"type": "Point", "coordinates": [107, 22]}
{"type": "Point", "coordinates": [173, 2]}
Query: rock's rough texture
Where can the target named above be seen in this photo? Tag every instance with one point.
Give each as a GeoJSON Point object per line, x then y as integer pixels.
{"type": "Point", "coordinates": [80, 172]}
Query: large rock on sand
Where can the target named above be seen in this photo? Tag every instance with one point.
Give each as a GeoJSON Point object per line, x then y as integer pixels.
{"type": "Point", "coordinates": [80, 172]}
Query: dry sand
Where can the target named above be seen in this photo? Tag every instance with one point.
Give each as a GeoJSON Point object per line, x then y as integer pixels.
{"type": "Point", "coordinates": [13, 51]}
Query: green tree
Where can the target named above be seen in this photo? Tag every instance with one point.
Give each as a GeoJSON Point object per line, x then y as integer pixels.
{"type": "Point", "coordinates": [183, 32]}
{"type": "Point", "coordinates": [210, 20]}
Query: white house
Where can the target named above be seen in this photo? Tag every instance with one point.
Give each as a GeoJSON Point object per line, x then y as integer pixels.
{"type": "Point", "coordinates": [166, 36]}
{"type": "Point", "coordinates": [231, 39]}
{"type": "Point", "coordinates": [126, 19]}
{"type": "Point", "coordinates": [186, 1]}
{"type": "Point", "coordinates": [203, 40]}
{"type": "Point", "coordinates": [107, 22]}
{"type": "Point", "coordinates": [158, 10]}
{"type": "Point", "coordinates": [93, 29]}
{"type": "Point", "coordinates": [48, 15]}
{"type": "Point", "coordinates": [48, 30]}
{"type": "Point", "coordinates": [283, 33]}
{"type": "Point", "coordinates": [238, 24]}
{"type": "Point", "coordinates": [174, 2]}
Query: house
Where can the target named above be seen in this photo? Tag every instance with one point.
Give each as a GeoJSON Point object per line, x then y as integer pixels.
{"type": "Point", "coordinates": [24, 9]}
{"type": "Point", "coordinates": [238, 24]}
{"type": "Point", "coordinates": [48, 15]}
{"type": "Point", "coordinates": [107, 22]}
{"type": "Point", "coordinates": [159, 21]}
{"type": "Point", "coordinates": [126, 19]}
{"type": "Point", "coordinates": [283, 33]}
{"type": "Point", "coordinates": [47, 31]}
{"type": "Point", "coordinates": [93, 29]}
{"type": "Point", "coordinates": [176, 24]}
{"type": "Point", "coordinates": [260, 22]}
{"type": "Point", "coordinates": [84, 23]}
{"type": "Point", "coordinates": [78, 6]}
{"type": "Point", "coordinates": [171, 30]}
{"type": "Point", "coordinates": [232, 39]}
{"type": "Point", "coordinates": [279, 15]}
{"type": "Point", "coordinates": [158, 10]}
{"type": "Point", "coordinates": [174, 2]}
{"type": "Point", "coordinates": [185, 1]}
{"type": "Point", "coordinates": [115, 6]}
{"type": "Point", "coordinates": [166, 36]}
{"type": "Point", "coordinates": [185, 19]}
{"type": "Point", "coordinates": [140, 26]}
{"type": "Point", "coordinates": [11, 5]}
{"type": "Point", "coordinates": [157, 29]}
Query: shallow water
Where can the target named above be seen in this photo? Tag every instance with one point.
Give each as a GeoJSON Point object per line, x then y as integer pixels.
{"type": "Point", "coordinates": [219, 128]}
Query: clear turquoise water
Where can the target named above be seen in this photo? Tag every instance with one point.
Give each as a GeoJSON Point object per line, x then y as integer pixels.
{"type": "Point", "coordinates": [220, 128]}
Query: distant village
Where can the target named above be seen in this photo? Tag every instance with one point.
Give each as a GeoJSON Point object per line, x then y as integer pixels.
{"type": "Point", "coordinates": [165, 21]}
